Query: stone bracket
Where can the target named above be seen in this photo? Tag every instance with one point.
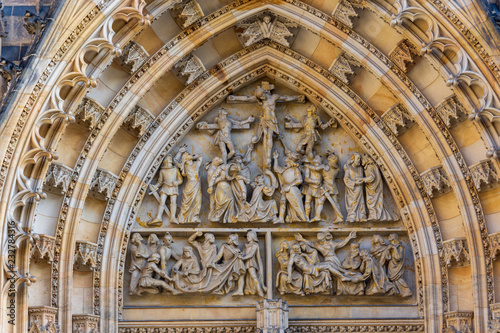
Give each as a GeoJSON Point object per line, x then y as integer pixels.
{"type": "Point", "coordinates": [85, 256]}
{"type": "Point", "coordinates": [42, 249]}
{"type": "Point", "coordinates": [58, 178]}
{"type": "Point", "coordinates": [138, 120]}
{"type": "Point", "coordinates": [436, 181]}
{"type": "Point", "coordinates": [484, 174]}
{"type": "Point", "coordinates": [102, 184]}
{"type": "Point", "coordinates": [398, 118]}
{"type": "Point", "coordinates": [456, 250]}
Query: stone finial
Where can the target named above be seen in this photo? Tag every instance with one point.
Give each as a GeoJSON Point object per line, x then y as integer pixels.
{"type": "Point", "coordinates": [398, 118]}
{"type": "Point", "coordinates": [85, 323]}
{"type": "Point", "coordinates": [459, 322]}
{"type": "Point", "coordinates": [344, 12]}
{"type": "Point", "coordinates": [188, 13]}
{"type": "Point", "coordinates": [494, 240]}
{"type": "Point", "coordinates": [132, 57]}
{"type": "Point", "coordinates": [42, 249]}
{"type": "Point", "coordinates": [33, 23]}
{"type": "Point", "coordinates": [484, 174]}
{"type": "Point", "coordinates": [267, 26]}
{"type": "Point", "coordinates": [190, 67]}
{"type": "Point", "coordinates": [456, 250]}
{"type": "Point", "coordinates": [58, 178]}
{"type": "Point", "coordinates": [403, 54]}
{"type": "Point", "coordinates": [138, 120]}
{"type": "Point", "coordinates": [272, 316]}
{"type": "Point", "coordinates": [342, 67]}
{"type": "Point", "coordinates": [102, 184]}
{"type": "Point", "coordinates": [436, 181]}
{"type": "Point", "coordinates": [89, 111]}
{"type": "Point", "coordinates": [451, 111]}
{"type": "Point", "coordinates": [85, 256]}
{"type": "Point", "coordinates": [42, 319]}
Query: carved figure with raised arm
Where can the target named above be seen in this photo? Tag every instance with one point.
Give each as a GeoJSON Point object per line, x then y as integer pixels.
{"type": "Point", "coordinates": [153, 243]}
{"type": "Point", "coordinates": [254, 276]}
{"type": "Point", "coordinates": [191, 195]}
{"type": "Point", "coordinates": [166, 252]}
{"type": "Point", "coordinates": [149, 284]}
{"type": "Point", "coordinates": [354, 194]}
{"type": "Point", "coordinates": [376, 281]}
{"type": "Point", "coordinates": [207, 250]}
{"type": "Point", "coordinates": [290, 178]}
{"type": "Point", "coordinates": [268, 126]}
{"type": "Point", "coordinates": [232, 267]}
{"type": "Point", "coordinates": [168, 186]}
{"type": "Point", "coordinates": [374, 188]}
{"type": "Point", "coordinates": [330, 188]}
{"type": "Point", "coordinates": [282, 283]}
{"type": "Point", "coordinates": [222, 128]}
{"type": "Point", "coordinates": [139, 254]}
{"type": "Point", "coordinates": [395, 266]}
{"type": "Point", "coordinates": [327, 246]}
{"type": "Point", "coordinates": [309, 124]}
{"type": "Point", "coordinates": [313, 179]}
{"type": "Point", "coordinates": [258, 209]}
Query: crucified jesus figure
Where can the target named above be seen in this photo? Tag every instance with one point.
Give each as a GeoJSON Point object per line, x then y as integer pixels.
{"type": "Point", "coordinates": [268, 126]}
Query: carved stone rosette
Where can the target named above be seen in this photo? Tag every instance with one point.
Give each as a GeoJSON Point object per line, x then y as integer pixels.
{"type": "Point", "coordinates": [436, 181]}
{"type": "Point", "coordinates": [459, 322]}
{"type": "Point", "coordinates": [89, 111]}
{"type": "Point", "coordinates": [398, 118]}
{"type": "Point", "coordinates": [484, 174]}
{"type": "Point", "coordinates": [58, 178]}
{"type": "Point", "coordinates": [85, 256]}
{"type": "Point", "coordinates": [102, 184]}
{"type": "Point", "coordinates": [42, 319]}
{"type": "Point", "coordinates": [456, 250]}
{"type": "Point", "coordinates": [43, 249]}
{"type": "Point", "coordinates": [132, 57]}
{"type": "Point", "coordinates": [138, 120]}
{"type": "Point", "coordinates": [272, 316]}
{"type": "Point", "coordinates": [451, 111]}
{"type": "Point", "coordinates": [85, 323]}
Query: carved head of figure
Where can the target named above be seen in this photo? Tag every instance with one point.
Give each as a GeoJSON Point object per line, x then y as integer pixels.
{"type": "Point", "coordinates": [317, 160]}
{"type": "Point", "coordinates": [366, 160]}
{"type": "Point", "coordinates": [252, 236]}
{"type": "Point", "coordinates": [222, 113]}
{"type": "Point", "coordinates": [296, 248]}
{"type": "Point", "coordinates": [261, 94]}
{"type": "Point", "coordinates": [155, 257]}
{"type": "Point", "coordinates": [187, 252]}
{"type": "Point", "coordinates": [210, 238]}
{"type": "Point", "coordinates": [217, 161]}
{"type": "Point", "coordinates": [284, 247]}
{"type": "Point", "coordinates": [168, 162]}
{"type": "Point", "coordinates": [136, 238]}
{"type": "Point", "coordinates": [393, 239]}
{"type": "Point", "coordinates": [153, 240]}
{"type": "Point", "coordinates": [311, 110]}
{"type": "Point", "coordinates": [233, 239]}
{"type": "Point", "coordinates": [356, 159]}
{"type": "Point", "coordinates": [167, 239]}
{"type": "Point", "coordinates": [238, 159]}
{"type": "Point", "coordinates": [303, 246]}
{"type": "Point", "coordinates": [364, 254]}
{"type": "Point", "coordinates": [333, 159]}
{"type": "Point", "coordinates": [328, 236]}
{"type": "Point", "coordinates": [377, 240]}
{"type": "Point", "coordinates": [354, 249]}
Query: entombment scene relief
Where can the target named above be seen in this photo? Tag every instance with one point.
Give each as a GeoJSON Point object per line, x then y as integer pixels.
{"type": "Point", "coordinates": [266, 155]}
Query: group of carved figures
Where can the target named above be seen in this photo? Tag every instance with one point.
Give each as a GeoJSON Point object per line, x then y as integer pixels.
{"type": "Point", "coordinates": [302, 181]}
{"type": "Point", "coordinates": [378, 271]}
{"type": "Point", "coordinates": [219, 271]}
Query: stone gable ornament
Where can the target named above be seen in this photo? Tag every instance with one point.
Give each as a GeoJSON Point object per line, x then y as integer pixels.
{"type": "Point", "coordinates": [276, 29]}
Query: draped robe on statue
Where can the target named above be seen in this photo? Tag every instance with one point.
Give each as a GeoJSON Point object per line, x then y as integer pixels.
{"type": "Point", "coordinates": [354, 199]}
{"type": "Point", "coordinates": [374, 187]}
{"type": "Point", "coordinates": [191, 195]}
{"type": "Point", "coordinates": [224, 200]}
{"type": "Point", "coordinates": [282, 284]}
{"type": "Point", "coordinates": [395, 270]}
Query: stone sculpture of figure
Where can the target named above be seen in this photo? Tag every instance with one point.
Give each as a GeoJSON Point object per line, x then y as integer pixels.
{"type": "Point", "coordinates": [222, 127]}
{"type": "Point", "coordinates": [309, 125]}
{"type": "Point", "coordinates": [168, 185]}
{"type": "Point", "coordinates": [290, 178]}
{"type": "Point", "coordinates": [232, 261]}
{"type": "Point", "coordinates": [377, 282]}
{"type": "Point", "coordinates": [239, 174]}
{"type": "Point", "coordinates": [282, 284]}
{"type": "Point", "coordinates": [254, 276]}
{"type": "Point", "coordinates": [374, 188]}
{"type": "Point", "coordinates": [187, 265]}
{"type": "Point", "coordinates": [149, 284]}
{"type": "Point", "coordinates": [309, 253]}
{"type": "Point", "coordinates": [351, 263]}
{"type": "Point", "coordinates": [378, 249]}
{"type": "Point", "coordinates": [258, 209]}
{"type": "Point", "coordinates": [207, 250]}
{"type": "Point", "coordinates": [327, 246]}
{"type": "Point", "coordinates": [224, 206]}
{"type": "Point", "coordinates": [395, 266]}
{"type": "Point", "coordinates": [211, 167]}
{"type": "Point", "coordinates": [139, 253]}
{"type": "Point", "coordinates": [354, 196]}
{"type": "Point", "coordinates": [153, 244]}
{"type": "Point", "coordinates": [191, 195]}
{"type": "Point", "coordinates": [166, 252]}
{"type": "Point", "coordinates": [268, 126]}
{"type": "Point", "coordinates": [313, 179]}
{"type": "Point", "coordinates": [330, 189]}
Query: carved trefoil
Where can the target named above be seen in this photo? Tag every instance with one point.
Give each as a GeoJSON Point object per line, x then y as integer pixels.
{"type": "Point", "coordinates": [190, 68]}
{"type": "Point", "coordinates": [138, 120]}
{"type": "Point", "coordinates": [459, 322]}
{"type": "Point", "coordinates": [58, 178]}
{"type": "Point", "coordinates": [436, 181]}
{"type": "Point", "coordinates": [494, 240]}
{"type": "Point", "coordinates": [42, 319]}
{"type": "Point", "coordinates": [344, 12]}
{"type": "Point", "coordinates": [102, 184]}
{"type": "Point", "coordinates": [484, 174]}
{"type": "Point", "coordinates": [85, 256]}
{"type": "Point", "coordinates": [89, 111]}
{"type": "Point", "coordinates": [267, 26]}
{"type": "Point", "coordinates": [402, 55]}
{"type": "Point", "coordinates": [494, 323]}
{"type": "Point", "coordinates": [132, 57]}
{"type": "Point", "coordinates": [456, 251]}
{"type": "Point", "coordinates": [188, 13]}
{"type": "Point", "coordinates": [342, 68]}
{"type": "Point", "coordinates": [398, 118]}
{"type": "Point", "coordinates": [451, 111]}
{"type": "Point", "coordinates": [43, 249]}
{"type": "Point", "coordinates": [272, 316]}
{"type": "Point", "coordinates": [85, 323]}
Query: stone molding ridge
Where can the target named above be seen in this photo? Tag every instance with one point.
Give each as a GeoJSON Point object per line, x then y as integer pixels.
{"type": "Point", "coordinates": [398, 118]}
{"type": "Point", "coordinates": [85, 323]}
{"type": "Point", "coordinates": [451, 111]}
{"type": "Point", "coordinates": [138, 120]}
{"type": "Point", "coordinates": [484, 174]}
{"type": "Point", "coordinates": [85, 256]}
{"type": "Point", "coordinates": [58, 178]}
{"type": "Point", "coordinates": [42, 319]}
{"type": "Point", "coordinates": [436, 181]}
{"type": "Point", "coordinates": [102, 184]}
{"type": "Point", "coordinates": [42, 249]}
{"type": "Point", "coordinates": [456, 250]}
